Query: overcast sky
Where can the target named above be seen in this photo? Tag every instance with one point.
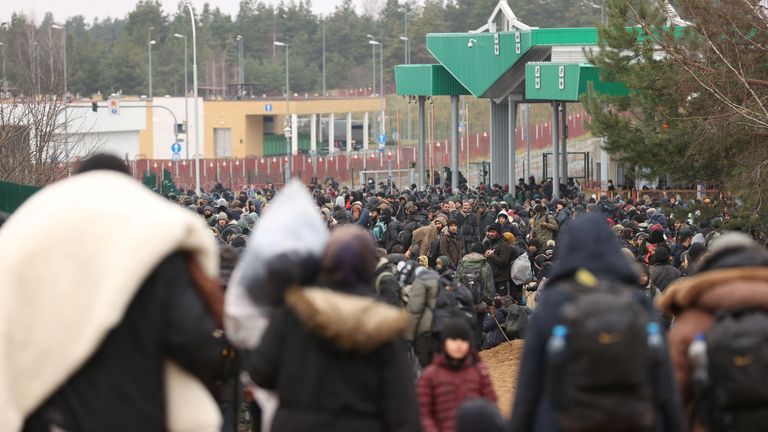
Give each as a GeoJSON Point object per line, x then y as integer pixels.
{"type": "Point", "coordinates": [119, 8]}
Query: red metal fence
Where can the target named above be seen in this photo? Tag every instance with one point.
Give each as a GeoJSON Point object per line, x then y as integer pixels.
{"type": "Point", "coordinates": [344, 167]}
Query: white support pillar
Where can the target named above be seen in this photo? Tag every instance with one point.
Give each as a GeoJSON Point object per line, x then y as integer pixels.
{"type": "Point", "coordinates": [512, 144]}
{"type": "Point", "coordinates": [605, 161]}
{"type": "Point", "coordinates": [563, 143]}
{"type": "Point", "coordinates": [294, 134]}
{"type": "Point", "coordinates": [555, 151]}
{"type": "Point", "coordinates": [365, 131]}
{"type": "Point", "coordinates": [313, 135]}
{"type": "Point", "coordinates": [349, 132]}
{"type": "Point", "coordinates": [331, 131]}
{"type": "Point", "coordinates": [455, 145]}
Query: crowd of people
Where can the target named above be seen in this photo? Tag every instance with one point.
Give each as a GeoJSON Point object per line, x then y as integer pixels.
{"type": "Point", "coordinates": [368, 310]}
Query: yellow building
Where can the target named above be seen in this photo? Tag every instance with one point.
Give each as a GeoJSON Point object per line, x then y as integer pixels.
{"type": "Point", "coordinates": [243, 128]}
{"type": "Point", "coordinates": [239, 129]}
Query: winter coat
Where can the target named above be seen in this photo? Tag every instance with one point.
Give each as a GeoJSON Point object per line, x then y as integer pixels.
{"type": "Point", "coordinates": [695, 301]}
{"type": "Point", "coordinates": [116, 335]}
{"type": "Point", "coordinates": [385, 283]}
{"type": "Point", "coordinates": [424, 236]}
{"type": "Point", "coordinates": [411, 224]}
{"type": "Point", "coordinates": [500, 260]}
{"type": "Point", "coordinates": [663, 275]}
{"type": "Point", "coordinates": [587, 244]}
{"type": "Point", "coordinates": [421, 304]}
{"type": "Point", "coordinates": [563, 217]}
{"type": "Point", "coordinates": [166, 317]}
{"type": "Point", "coordinates": [391, 235]}
{"type": "Point", "coordinates": [443, 389]}
{"type": "Point", "coordinates": [336, 363]}
{"type": "Point", "coordinates": [452, 246]}
{"type": "Point", "coordinates": [544, 227]}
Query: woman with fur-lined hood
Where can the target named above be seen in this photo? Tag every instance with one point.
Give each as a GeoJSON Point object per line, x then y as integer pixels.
{"type": "Point", "coordinates": [334, 353]}
{"type": "Point", "coordinates": [731, 278]}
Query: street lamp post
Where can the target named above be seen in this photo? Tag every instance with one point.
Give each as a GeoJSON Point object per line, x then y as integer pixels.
{"type": "Point", "coordinates": [287, 107]}
{"type": "Point", "coordinates": [241, 71]}
{"type": "Point", "coordinates": [64, 34]}
{"type": "Point", "coordinates": [186, 96]}
{"type": "Point", "coordinates": [150, 42]}
{"type": "Point", "coordinates": [407, 61]}
{"type": "Point", "coordinates": [188, 4]}
{"type": "Point", "coordinates": [373, 43]}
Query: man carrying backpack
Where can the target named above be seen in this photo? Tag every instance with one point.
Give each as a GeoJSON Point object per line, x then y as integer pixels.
{"type": "Point", "coordinates": [475, 273]}
{"type": "Point", "coordinates": [718, 341]}
{"type": "Point", "coordinates": [594, 357]}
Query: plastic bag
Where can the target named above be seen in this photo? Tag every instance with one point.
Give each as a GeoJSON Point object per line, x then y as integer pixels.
{"type": "Point", "coordinates": [284, 250]}
{"type": "Point", "coordinates": [521, 270]}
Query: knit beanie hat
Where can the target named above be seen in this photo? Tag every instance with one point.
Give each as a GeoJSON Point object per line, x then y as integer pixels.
{"type": "Point", "coordinates": [444, 261]}
{"type": "Point", "coordinates": [222, 216]}
{"type": "Point", "coordinates": [494, 227]}
{"type": "Point", "coordinates": [457, 329]}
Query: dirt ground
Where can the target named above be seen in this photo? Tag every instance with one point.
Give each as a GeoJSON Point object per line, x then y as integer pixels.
{"type": "Point", "coordinates": [503, 362]}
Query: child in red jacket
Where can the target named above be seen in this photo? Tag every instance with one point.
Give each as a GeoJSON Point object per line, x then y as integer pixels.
{"type": "Point", "coordinates": [456, 375]}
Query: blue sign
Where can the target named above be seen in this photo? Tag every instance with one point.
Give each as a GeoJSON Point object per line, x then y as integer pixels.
{"type": "Point", "coordinates": [382, 147]}
{"type": "Point", "coordinates": [176, 157]}
{"type": "Point", "coordinates": [382, 138]}
{"type": "Point", "coordinates": [268, 107]}
{"type": "Point", "coordinates": [176, 148]}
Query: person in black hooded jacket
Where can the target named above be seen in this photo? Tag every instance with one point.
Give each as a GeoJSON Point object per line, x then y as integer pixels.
{"type": "Point", "coordinates": [334, 354]}
{"type": "Point", "coordinates": [587, 243]}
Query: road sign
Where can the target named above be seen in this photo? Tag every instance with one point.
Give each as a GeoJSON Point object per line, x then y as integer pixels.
{"type": "Point", "coordinates": [395, 135]}
{"type": "Point", "coordinates": [176, 157]}
{"type": "Point", "coordinates": [382, 138]}
{"type": "Point", "coordinates": [114, 107]}
{"type": "Point", "coordinates": [268, 107]}
{"type": "Point", "coordinates": [382, 147]}
{"type": "Point", "coordinates": [176, 148]}
{"type": "Point", "coordinates": [461, 126]}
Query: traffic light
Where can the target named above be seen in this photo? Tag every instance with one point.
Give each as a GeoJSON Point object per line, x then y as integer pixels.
{"type": "Point", "coordinates": [94, 106]}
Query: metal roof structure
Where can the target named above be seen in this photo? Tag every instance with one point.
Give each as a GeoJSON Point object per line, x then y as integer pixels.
{"type": "Point", "coordinates": [509, 62]}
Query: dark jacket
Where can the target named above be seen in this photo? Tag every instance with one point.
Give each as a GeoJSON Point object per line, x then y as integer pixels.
{"type": "Point", "coordinates": [663, 275]}
{"type": "Point", "coordinates": [500, 260]}
{"type": "Point", "coordinates": [337, 364]}
{"type": "Point", "coordinates": [586, 243]}
{"type": "Point", "coordinates": [120, 388]}
{"type": "Point", "coordinates": [452, 246]}
{"type": "Point", "coordinates": [442, 389]}
{"type": "Point", "coordinates": [385, 284]}
{"type": "Point", "coordinates": [495, 335]}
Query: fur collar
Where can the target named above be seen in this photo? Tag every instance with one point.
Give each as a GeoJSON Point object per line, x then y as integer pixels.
{"type": "Point", "coordinates": [352, 322]}
{"type": "Point", "coordinates": [687, 292]}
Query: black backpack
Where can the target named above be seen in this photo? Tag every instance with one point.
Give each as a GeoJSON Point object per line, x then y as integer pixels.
{"type": "Point", "coordinates": [735, 396]}
{"type": "Point", "coordinates": [517, 321]}
{"type": "Point", "coordinates": [454, 301]}
{"type": "Point", "coordinates": [473, 280]}
{"type": "Point", "coordinates": [601, 378]}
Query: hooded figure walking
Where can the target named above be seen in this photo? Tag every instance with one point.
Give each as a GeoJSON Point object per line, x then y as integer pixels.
{"type": "Point", "coordinates": [334, 353]}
